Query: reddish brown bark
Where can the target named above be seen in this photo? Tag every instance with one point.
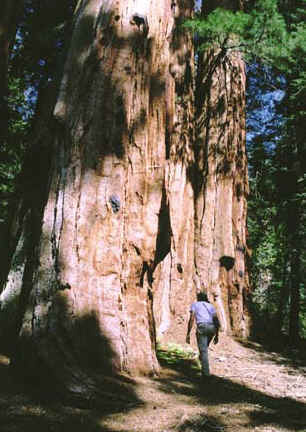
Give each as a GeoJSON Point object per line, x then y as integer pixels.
{"type": "Point", "coordinates": [174, 288]}
{"type": "Point", "coordinates": [119, 253]}
{"type": "Point", "coordinates": [222, 188]}
{"type": "Point", "coordinates": [119, 157]}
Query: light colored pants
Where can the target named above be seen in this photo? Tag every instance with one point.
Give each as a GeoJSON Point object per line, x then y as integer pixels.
{"type": "Point", "coordinates": [205, 333]}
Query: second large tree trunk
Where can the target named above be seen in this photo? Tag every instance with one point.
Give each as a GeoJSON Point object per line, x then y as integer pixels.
{"type": "Point", "coordinates": [173, 284]}
{"type": "Point", "coordinates": [222, 187]}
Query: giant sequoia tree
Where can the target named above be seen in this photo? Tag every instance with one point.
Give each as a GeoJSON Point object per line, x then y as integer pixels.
{"type": "Point", "coordinates": [127, 218]}
{"type": "Point", "coordinates": [221, 179]}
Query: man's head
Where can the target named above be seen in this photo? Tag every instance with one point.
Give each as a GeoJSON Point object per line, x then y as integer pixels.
{"type": "Point", "coordinates": [202, 296]}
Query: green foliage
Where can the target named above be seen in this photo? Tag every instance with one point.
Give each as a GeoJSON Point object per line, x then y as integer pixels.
{"type": "Point", "coordinates": [33, 64]}
{"type": "Point", "coordinates": [277, 205]}
{"type": "Point", "coordinates": [260, 35]}
{"type": "Point", "coordinates": [13, 147]}
{"type": "Point", "coordinates": [178, 357]}
{"type": "Point", "coordinates": [219, 26]}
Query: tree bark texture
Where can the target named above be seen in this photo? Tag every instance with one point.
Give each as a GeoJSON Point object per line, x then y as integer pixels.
{"type": "Point", "coordinates": [121, 159]}
{"type": "Point", "coordinates": [133, 217]}
{"type": "Point", "coordinates": [222, 187]}
{"type": "Point", "coordinates": [173, 278]}
{"type": "Point", "coordinates": [21, 235]}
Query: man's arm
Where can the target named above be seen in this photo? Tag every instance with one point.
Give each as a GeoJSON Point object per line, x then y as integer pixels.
{"type": "Point", "coordinates": [190, 324]}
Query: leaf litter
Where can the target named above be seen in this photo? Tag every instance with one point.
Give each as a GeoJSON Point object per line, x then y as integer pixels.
{"type": "Point", "coordinates": [251, 389]}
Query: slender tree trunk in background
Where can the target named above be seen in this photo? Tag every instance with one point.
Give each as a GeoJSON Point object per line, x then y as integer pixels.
{"type": "Point", "coordinates": [294, 300]}
{"type": "Point", "coordinates": [295, 254]}
{"type": "Point", "coordinates": [21, 232]}
{"type": "Point", "coordinates": [9, 10]}
{"type": "Point", "coordinates": [283, 300]}
{"type": "Point", "coordinates": [19, 242]}
{"type": "Point", "coordinates": [294, 188]}
{"type": "Point", "coordinates": [222, 188]}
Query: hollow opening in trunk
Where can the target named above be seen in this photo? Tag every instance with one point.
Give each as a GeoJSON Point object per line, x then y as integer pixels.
{"type": "Point", "coordinates": [227, 262]}
{"type": "Point", "coordinates": [163, 240]}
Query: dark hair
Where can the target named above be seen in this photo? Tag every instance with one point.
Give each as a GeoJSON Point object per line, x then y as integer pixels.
{"type": "Point", "coordinates": [202, 296]}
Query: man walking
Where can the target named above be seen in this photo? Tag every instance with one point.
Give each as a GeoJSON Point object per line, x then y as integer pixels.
{"type": "Point", "coordinates": [207, 327]}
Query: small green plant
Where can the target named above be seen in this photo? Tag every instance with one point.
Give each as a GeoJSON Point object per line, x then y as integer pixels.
{"type": "Point", "coordinates": [177, 356]}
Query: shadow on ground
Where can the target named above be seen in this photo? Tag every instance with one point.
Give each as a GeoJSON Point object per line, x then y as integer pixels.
{"type": "Point", "coordinates": [279, 352]}
{"type": "Point", "coordinates": [24, 411]}
{"type": "Point", "coordinates": [63, 381]}
{"type": "Point", "coordinates": [261, 408]}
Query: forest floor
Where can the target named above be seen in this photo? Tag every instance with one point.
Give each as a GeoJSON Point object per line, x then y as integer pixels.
{"type": "Point", "coordinates": [251, 389]}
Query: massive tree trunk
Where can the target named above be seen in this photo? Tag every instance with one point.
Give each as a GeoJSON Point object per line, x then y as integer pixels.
{"type": "Point", "coordinates": [222, 186]}
{"type": "Point", "coordinates": [116, 254]}
{"type": "Point", "coordinates": [101, 219]}
{"type": "Point", "coordinates": [9, 10]}
{"type": "Point", "coordinates": [119, 155]}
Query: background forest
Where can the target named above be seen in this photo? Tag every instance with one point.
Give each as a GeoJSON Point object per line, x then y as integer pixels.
{"type": "Point", "coordinates": [272, 37]}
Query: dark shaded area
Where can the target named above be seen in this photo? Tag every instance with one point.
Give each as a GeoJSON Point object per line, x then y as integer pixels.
{"type": "Point", "coordinates": [73, 360]}
{"type": "Point", "coordinates": [210, 5]}
{"type": "Point", "coordinates": [35, 56]}
{"type": "Point", "coordinates": [227, 262]}
{"type": "Point", "coordinates": [63, 368]}
{"type": "Point", "coordinates": [163, 243]}
{"type": "Point", "coordinates": [163, 239]}
{"type": "Point", "coordinates": [115, 203]}
{"type": "Point", "coordinates": [142, 23]}
{"type": "Point", "coordinates": [66, 362]}
{"type": "Point", "coordinates": [9, 15]}
{"type": "Point", "coordinates": [32, 182]}
{"type": "Point", "coordinates": [63, 380]}
{"type": "Point", "coordinates": [283, 412]}
{"type": "Point", "coordinates": [25, 215]}
{"type": "Point", "coordinates": [21, 411]}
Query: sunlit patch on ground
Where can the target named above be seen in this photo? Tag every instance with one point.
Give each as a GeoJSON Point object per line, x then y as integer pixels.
{"type": "Point", "coordinates": [251, 389]}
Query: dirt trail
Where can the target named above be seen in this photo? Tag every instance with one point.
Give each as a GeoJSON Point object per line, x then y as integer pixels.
{"type": "Point", "coordinates": [250, 390]}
